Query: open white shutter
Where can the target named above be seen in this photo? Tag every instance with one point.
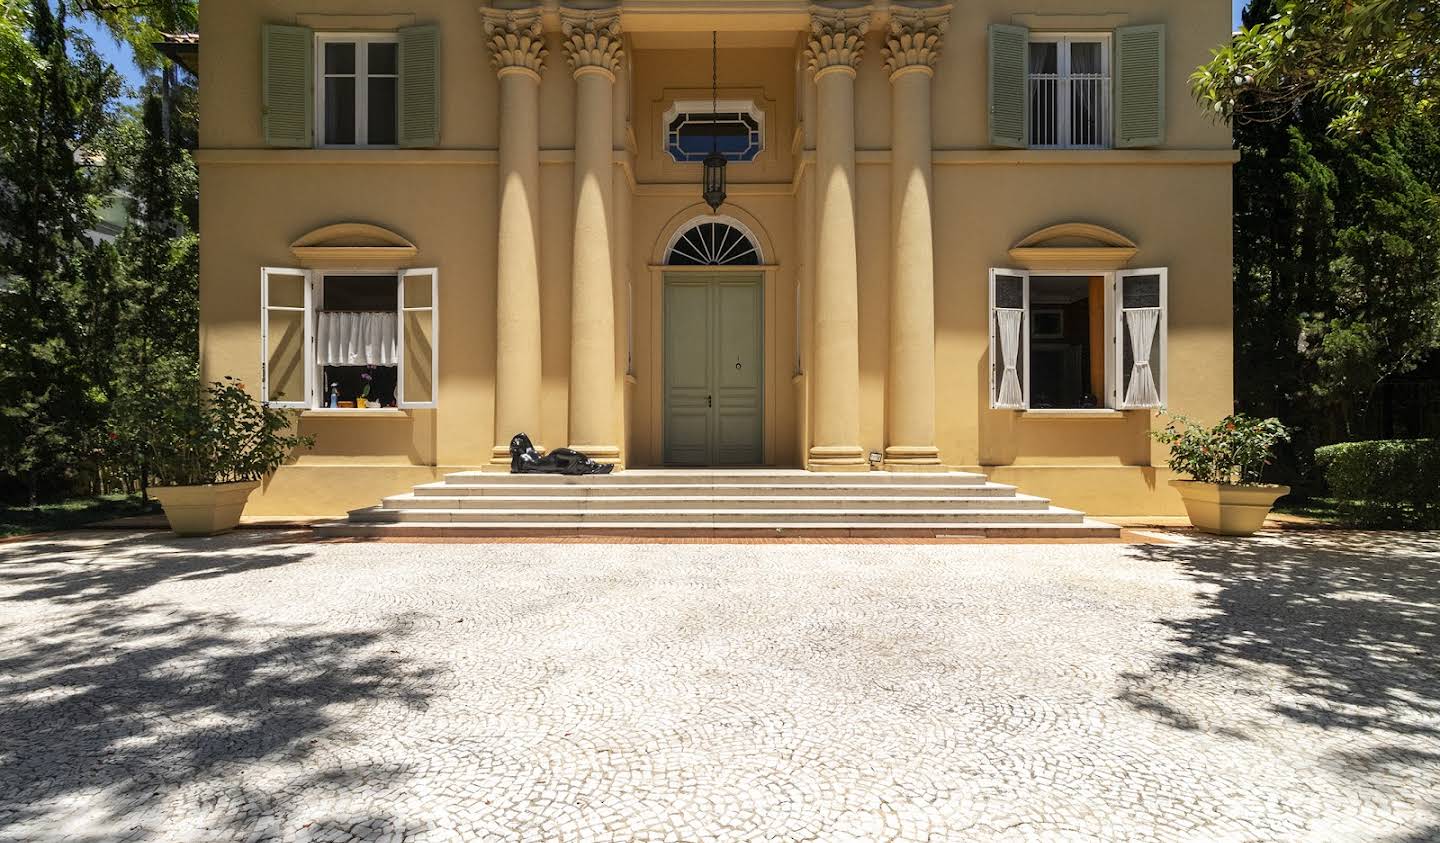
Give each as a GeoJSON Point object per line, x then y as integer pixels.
{"type": "Point", "coordinates": [286, 345]}
{"type": "Point", "coordinates": [1141, 357]}
{"type": "Point", "coordinates": [418, 313]}
{"type": "Point", "coordinates": [1009, 339]}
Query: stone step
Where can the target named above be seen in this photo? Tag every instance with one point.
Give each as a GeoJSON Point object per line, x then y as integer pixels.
{"type": "Point", "coordinates": [756, 476]}
{"type": "Point", "coordinates": [578, 490]}
{"type": "Point", "coordinates": [895, 530]}
{"type": "Point", "coordinates": [844, 517]}
{"type": "Point", "coordinates": [602, 502]}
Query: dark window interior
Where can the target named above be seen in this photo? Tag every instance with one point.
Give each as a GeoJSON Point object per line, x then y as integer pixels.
{"type": "Point", "coordinates": [1067, 352]}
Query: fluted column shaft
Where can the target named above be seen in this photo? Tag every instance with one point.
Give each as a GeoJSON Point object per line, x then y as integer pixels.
{"type": "Point", "coordinates": [911, 48]}
{"type": "Point", "coordinates": [593, 46]}
{"type": "Point", "coordinates": [834, 52]}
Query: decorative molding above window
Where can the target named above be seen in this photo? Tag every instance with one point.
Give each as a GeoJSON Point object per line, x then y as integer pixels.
{"type": "Point", "coordinates": [714, 241]}
{"type": "Point", "coordinates": [353, 244]}
{"type": "Point", "coordinates": [1074, 245]}
{"type": "Point", "coordinates": [694, 127]}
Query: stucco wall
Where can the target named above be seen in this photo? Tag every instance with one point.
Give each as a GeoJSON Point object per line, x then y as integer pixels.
{"type": "Point", "coordinates": [1174, 203]}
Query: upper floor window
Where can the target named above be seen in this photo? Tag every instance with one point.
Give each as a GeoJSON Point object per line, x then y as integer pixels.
{"type": "Point", "coordinates": [694, 128]}
{"type": "Point", "coordinates": [358, 90]}
{"type": "Point", "coordinates": [1092, 90]}
{"type": "Point", "coordinates": [1069, 91]}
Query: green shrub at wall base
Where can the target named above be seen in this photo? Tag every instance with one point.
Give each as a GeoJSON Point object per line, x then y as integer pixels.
{"type": "Point", "coordinates": [1385, 483]}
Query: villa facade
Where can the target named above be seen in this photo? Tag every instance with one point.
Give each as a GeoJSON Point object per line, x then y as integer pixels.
{"type": "Point", "coordinates": [993, 237]}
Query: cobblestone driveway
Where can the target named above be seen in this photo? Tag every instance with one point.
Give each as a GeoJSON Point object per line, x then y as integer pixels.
{"type": "Point", "coordinates": [247, 688]}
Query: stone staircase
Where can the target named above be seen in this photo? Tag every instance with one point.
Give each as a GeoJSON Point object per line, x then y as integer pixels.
{"type": "Point", "coordinates": [718, 503]}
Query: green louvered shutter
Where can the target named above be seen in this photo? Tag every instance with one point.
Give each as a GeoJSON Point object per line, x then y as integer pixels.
{"type": "Point", "coordinates": [1008, 46]}
{"type": "Point", "coordinates": [287, 66]}
{"type": "Point", "coordinates": [1140, 86]}
{"type": "Point", "coordinates": [420, 86]}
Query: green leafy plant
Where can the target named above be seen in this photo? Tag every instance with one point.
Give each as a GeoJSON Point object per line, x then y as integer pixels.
{"type": "Point", "coordinates": [1235, 450]}
{"type": "Point", "coordinates": [223, 436]}
{"type": "Point", "coordinates": [1385, 483]}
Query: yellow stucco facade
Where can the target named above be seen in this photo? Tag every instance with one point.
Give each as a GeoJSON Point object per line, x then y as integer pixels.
{"type": "Point", "coordinates": [878, 204]}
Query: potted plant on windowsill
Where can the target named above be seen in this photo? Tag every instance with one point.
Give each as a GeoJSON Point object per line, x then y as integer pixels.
{"type": "Point", "coordinates": [1224, 494]}
{"type": "Point", "coordinates": [213, 452]}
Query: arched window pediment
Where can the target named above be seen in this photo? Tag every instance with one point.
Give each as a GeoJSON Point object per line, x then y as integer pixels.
{"type": "Point", "coordinates": [353, 244]}
{"type": "Point", "coordinates": [714, 241]}
{"type": "Point", "coordinates": [1074, 246]}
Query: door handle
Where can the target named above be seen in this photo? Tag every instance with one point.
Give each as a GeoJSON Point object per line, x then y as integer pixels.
{"type": "Point", "coordinates": [709, 401]}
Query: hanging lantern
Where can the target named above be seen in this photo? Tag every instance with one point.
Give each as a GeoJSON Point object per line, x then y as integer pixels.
{"type": "Point", "coordinates": [714, 189]}
{"type": "Point", "coordinates": [713, 186]}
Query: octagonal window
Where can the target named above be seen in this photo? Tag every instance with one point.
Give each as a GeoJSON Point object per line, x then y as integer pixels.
{"type": "Point", "coordinates": [695, 127]}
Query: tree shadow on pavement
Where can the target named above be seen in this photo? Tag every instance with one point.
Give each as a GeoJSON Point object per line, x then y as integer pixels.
{"type": "Point", "coordinates": [120, 715]}
{"type": "Point", "coordinates": [82, 568]}
{"type": "Point", "coordinates": [1330, 629]}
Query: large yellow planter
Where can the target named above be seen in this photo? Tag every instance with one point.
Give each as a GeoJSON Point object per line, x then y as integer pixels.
{"type": "Point", "coordinates": [204, 510]}
{"type": "Point", "coordinates": [1226, 509]}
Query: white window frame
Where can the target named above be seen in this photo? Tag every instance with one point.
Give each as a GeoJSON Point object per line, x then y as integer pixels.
{"type": "Point", "coordinates": [1024, 353]}
{"type": "Point", "coordinates": [434, 309]}
{"type": "Point", "coordinates": [745, 106]}
{"type": "Point", "coordinates": [1111, 345]}
{"type": "Point", "coordinates": [314, 281]}
{"type": "Point", "coordinates": [307, 340]}
{"type": "Point", "coordinates": [361, 40]}
{"type": "Point", "coordinates": [1063, 40]}
{"type": "Point", "coordinates": [1116, 314]}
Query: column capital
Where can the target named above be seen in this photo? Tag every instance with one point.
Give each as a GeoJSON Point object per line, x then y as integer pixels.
{"type": "Point", "coordinates": [592, 39]}
{"type": "Point", "coordinates": [517, 39]}
{"type": "Point", "coordinates": [914, 37]}
{"type": "Point", "coordinates": [837, 37]}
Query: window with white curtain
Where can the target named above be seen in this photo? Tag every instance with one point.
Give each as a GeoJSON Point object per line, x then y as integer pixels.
{"type": "Point", "coordinates": [1077, 340]}
{"type": "Point", "coordinates": [1069, 91]}
{"type": "Point", "coordinates": [330, 338]}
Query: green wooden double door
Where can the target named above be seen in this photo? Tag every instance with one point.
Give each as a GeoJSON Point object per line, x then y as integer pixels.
{"type": "Point", "coordinates": [714, 369]}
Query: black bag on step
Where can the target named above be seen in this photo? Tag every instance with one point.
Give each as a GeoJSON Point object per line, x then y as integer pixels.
{"type": "Point", "coordinates": [524, 459]}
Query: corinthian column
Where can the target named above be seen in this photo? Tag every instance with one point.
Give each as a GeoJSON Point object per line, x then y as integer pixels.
{"type": "Point", "coordinates": [592, 46]}
{"type": "Point", "coordinates": [911, 49]}
{"type": "Point", "coordinates": [837, 38]}
{"type": "Point", "coordinates": [517, 50]}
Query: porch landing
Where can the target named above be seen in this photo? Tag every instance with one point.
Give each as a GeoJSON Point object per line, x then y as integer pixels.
{"type": "Point", "coordinates": [719, 502]}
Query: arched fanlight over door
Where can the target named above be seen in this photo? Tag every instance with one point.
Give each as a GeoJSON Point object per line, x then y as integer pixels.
{"type": "Point", "coordinates": [714, 242]}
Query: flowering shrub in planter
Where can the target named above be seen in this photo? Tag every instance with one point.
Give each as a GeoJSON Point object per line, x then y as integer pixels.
{"type": "Point", "coordinates": [1225, 462]}
{"type": "Point", "coordinates": [213, 452]}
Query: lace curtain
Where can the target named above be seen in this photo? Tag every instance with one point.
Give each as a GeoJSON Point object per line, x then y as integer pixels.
{"type": "Point", "coordinates": [356, 338]}
{"type": "Point", "coordinates": [1011, 395]}
{"type": "Point", "coordinates": [1142, 324]}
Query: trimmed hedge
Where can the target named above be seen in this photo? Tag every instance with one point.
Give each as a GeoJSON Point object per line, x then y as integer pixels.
{"type": "Point", "coordinates": [1385, 483]}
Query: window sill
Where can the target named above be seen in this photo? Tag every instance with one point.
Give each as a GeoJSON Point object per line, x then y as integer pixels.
{"type": "Point", "coordinates": [1104, 413]}
{"type": "Point", "coordinates": [354, 413]}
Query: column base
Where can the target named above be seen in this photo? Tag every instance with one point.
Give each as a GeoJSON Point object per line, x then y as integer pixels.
{"type": "Point", "coordinates": [836, 458]}
{"type": "Point", "coordinates": [912, 458]}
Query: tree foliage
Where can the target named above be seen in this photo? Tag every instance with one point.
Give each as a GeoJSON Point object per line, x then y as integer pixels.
{"type": "Point", "coordinates": [56, 308]}
{"type": "Point", "coordinates": [1337, 266]}
{"type": "Point", "coordinates": [1370, 62]}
